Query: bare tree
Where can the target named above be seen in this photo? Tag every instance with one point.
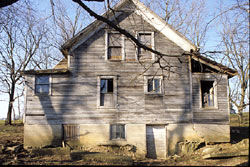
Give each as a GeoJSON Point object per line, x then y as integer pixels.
{"type": "Point", "coordinates": [63, 27]}
{"type": "Point", "coordinates": [191, 18]}
{"type": "Point", "coordinates": [235, 43]}
{"type": "Point", "coordinates": [20, 37]}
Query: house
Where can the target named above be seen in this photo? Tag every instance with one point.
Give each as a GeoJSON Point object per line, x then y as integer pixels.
{"type": "Point", "coordinates": [108, 91]}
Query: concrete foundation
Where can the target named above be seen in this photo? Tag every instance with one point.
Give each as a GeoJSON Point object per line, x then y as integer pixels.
{"type": "Point", "coordinates": [93, 135]}
{"type": "Point", "coordinates": [98, 135]}
{"type": "Point", "coordinates": [195, 132]}
{"type": "Point", "coordinates": [42, 135]}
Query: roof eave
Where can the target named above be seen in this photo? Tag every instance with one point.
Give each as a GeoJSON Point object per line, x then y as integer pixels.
{"type": "Point", "coordinates": [48, 71]}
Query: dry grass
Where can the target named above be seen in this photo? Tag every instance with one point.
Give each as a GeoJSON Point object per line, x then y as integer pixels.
{"type": "Point", "coordinates": [234, 120]}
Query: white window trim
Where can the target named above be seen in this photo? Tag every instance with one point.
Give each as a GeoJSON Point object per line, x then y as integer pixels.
{"type": "Point", "coordinates": [146, 78]}
{"type": "Point", "coordinates": [215, 84]}
{"type": "Point", "coordinates": [42, 94]}
{"type": "Point", "coordinates": [152, 42]}
{"type": "Point", "coordinates": [114, 90]}
{"type": "Point", "coordinates": [107, 46]}
{"type": "Point", "coordinates": [125, 130]}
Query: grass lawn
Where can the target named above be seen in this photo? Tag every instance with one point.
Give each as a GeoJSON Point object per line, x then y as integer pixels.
{"type": "Point", "coordinates": [234, 120]}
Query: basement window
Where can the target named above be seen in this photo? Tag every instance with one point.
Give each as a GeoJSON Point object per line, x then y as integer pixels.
{"type": "Point", "coordinates": [117, 131]}
{"type": "Point", "coordinates": [208, 94]}
{"type": "Point", "coordinates": [42, 84]}
{"type": "Point", "coordinates": [71, 132]}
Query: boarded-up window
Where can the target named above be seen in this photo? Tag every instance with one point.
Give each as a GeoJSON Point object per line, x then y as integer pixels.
{"type": "Point", "coordinates": [117, 131]}
{"type": "Point", "coordinates": [208, 94]}
{"type": "Point", "coordinates": [71, 132]}
{"type": "Point", "coordinates": [114, 46]}
{"type": "Point", "coordinates": [145, 39]}
{"type": "Point", "coordinates": [106, 92]}
{"type": "Point", "coordinates": [42, 84]}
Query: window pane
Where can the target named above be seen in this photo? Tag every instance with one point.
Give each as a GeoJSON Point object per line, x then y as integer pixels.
{"type": "Point", "coordinates": [110, 85]}
{"type": "Point", "coordinates": [114, 39]}
{"type": "Point", "coordinates": [157, 85]}
{"type": "Point", "coordinates": [150, 85]}
{"type": "Point", "coordinates": [44, 79]}
{"type": "Point", "coordinates": [103, 86]}
{"type": "Point", "coordinates": [42, 89]}
{"type": "Point", "coordinates": [145, 39]}
{"type": "Point", "coordinates": [114, 53]}
{"type": "Point", "coordinates": [102, 96]}
{"type": "Point", "coordinates": [122, 130]}
{"type": "Point", "coordinates": [113, 131]}
{"type": "Point", "coordinates": [117, 131]}
{"type": "Point", "coordinates": [207, 91]}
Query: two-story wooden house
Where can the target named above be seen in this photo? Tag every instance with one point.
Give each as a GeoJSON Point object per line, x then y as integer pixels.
{"type": "Point", "coordinates": [107, 90]}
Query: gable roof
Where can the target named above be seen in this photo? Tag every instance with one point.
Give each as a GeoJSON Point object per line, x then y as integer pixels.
{"type": "Point", "coordinates": [153, 19]}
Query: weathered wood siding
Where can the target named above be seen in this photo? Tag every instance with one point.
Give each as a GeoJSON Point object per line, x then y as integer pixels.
{"type": "Point", "coordinates": [73, 98]}
{"type": "Point", "coordinates": [219, 115]}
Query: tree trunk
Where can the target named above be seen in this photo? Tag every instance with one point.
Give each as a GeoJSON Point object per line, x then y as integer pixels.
{"type": "Point", "coordinates": [240, 115]}
{"type": "Point", "coordinates": [10, 108]}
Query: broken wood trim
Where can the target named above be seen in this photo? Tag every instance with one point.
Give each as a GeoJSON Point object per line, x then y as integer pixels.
{"type": "Point", "coordinates": [30, 114]}
{"type": "Point", "coordinates": [48, 71]}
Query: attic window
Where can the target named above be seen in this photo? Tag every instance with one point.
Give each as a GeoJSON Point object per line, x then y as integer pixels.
{"type": "Point", "coordinates": [114, 46]}
{"type": "Point", "coordinates": [146, 38]}
{"type": "Point", "coordinates": [208, 94]}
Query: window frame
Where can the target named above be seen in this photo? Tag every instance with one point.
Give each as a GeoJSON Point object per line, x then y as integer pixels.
{"type": "Point", "coordinates": [215, 84]}
{"type": "Point", "coordinates": [107, 32]}
{"type": "Point", "coordinates": [35, 85]}
{"type": "Point", "coordinates": [110, 132]}
{"type": "Point", "coordinates": [152, 43]}
{"type": "Point", "coordinates": [114, 91]}
{"type": "Point", "coordinates": [161, 84]}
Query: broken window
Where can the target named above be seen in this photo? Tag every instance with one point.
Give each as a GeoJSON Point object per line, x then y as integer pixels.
{"type": "Point", "coordinates": [208, 93]}
{"type": "Point", "coordinates": [114, 46]}
{"type": "Point", "coordinates": [106, 92]}
{"type": "Point", "coordinates": [42, 84]}
{"type": "Point", "coordinates": [117, 131]}
{"type": "Point", "coordinates": [145, 39]}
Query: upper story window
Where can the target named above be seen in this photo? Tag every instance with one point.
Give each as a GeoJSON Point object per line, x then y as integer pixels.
{"type": "Point", "coordinates": [107, 92]}
{"type": "Point", "coordinates": [146, 38]}
{"type": "Point", "coordinates": [153, 84]}
{"type": "Point", "coordinates": [42, 84]}
{"type": "Point", "coordinates": [114, 46]}
{"type": "Point", "coordinates": [208, 94]}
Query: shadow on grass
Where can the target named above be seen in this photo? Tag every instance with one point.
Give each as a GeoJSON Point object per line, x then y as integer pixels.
{"type": "Point", "coordinates": [238, 133]}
